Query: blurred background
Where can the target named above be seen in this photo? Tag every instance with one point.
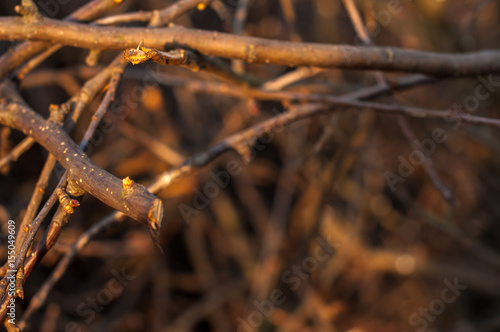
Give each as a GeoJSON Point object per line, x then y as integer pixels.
{"type": "Point", "coordinates": [330, 224]}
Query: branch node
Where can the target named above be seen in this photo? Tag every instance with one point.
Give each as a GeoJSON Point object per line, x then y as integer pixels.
{"type": "Point", "coordinates": [155, 217]}
{"type": "Point", "coordinates": [127, 182]}
{"type": "Point", "coordinates": [128, 187]}
{"type": "Point", "coordinates": [19, 283]}
{"type": "Point", "coordinates": [74, 189]}
{"type": "Point", "coordinates": [29, 10]}
{"type": "Point", "coordinates": [66, 201]}
{"type": "Point", "coordinates": [57, 113]}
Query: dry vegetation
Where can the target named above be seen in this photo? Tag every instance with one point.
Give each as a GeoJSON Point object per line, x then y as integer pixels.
{"type": "Point", "coordinates": [289, 182]}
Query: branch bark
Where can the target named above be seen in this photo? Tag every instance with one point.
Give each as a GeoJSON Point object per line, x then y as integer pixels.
{"type": "Point", "coordinates": [251, 49]}
{"type": "Point", "coordinates": [130, 198]}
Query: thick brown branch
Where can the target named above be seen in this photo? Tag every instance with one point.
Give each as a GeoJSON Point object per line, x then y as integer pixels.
{"type": "Point", "coordinates": [78, 102]}
{"type": "Point", "coordinates": [253, 49]}
{"type": "Point", "coordinates": [132, 199]}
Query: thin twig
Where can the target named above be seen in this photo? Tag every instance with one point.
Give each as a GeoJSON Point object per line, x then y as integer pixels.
{"type": "Point", "coordinates": [156, 17]}
{"type": "Point", "coordinates": [140, 16]}
{"type": "Point", "coordinates": [357, 21]}
{"type": "Point", "coordinates": [103, 107]}
{"type": "Point", "coordinates": [39, 298]}
{"type": "Point", "coordinates": [5, 148]}
{"type": "Point", "coordinates": [16, 152]}
{"type": "Point", "coordinates": [291, 19]}
{"type": "Point", "coordinates": [36, 198]}
{"type": "Point", "coordinates": [163, 151]}
{"type": "Point", "coordinates": [240, 17]}
{"type": "Point", "coordinates": [343, 101]}
{"type": "Point", "coordinates": [402, 121]}
{"type": "Point", "coordinates": [428, 164]}
{"type": "Point", "coordinates": [167, 15]}
{"type": "Point", "coordinates": [211, 302]}
{"type": "Point", "coordinates": [44, 77]}
{"type": "Point", "coordinates": [291, 77]}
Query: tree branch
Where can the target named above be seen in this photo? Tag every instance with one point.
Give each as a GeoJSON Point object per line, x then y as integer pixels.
{"type": "Point", "coordinates": [251, 49]}
{"type": "Point", "coordinates": [130, 198]}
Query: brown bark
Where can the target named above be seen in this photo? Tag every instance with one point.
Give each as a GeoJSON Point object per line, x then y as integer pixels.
{"type": "Point", "coordinates": [251, 49]}
{"type": "Point", "coordinates": [133, 199]}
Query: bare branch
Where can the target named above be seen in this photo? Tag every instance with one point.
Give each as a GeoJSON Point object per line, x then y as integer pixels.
{"type": "Point", "coordinates": [78, 102]}
{"type": "Point", "coordinates": [255, 50]}
{"type": "Point", "coordinates": [133, 200]}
